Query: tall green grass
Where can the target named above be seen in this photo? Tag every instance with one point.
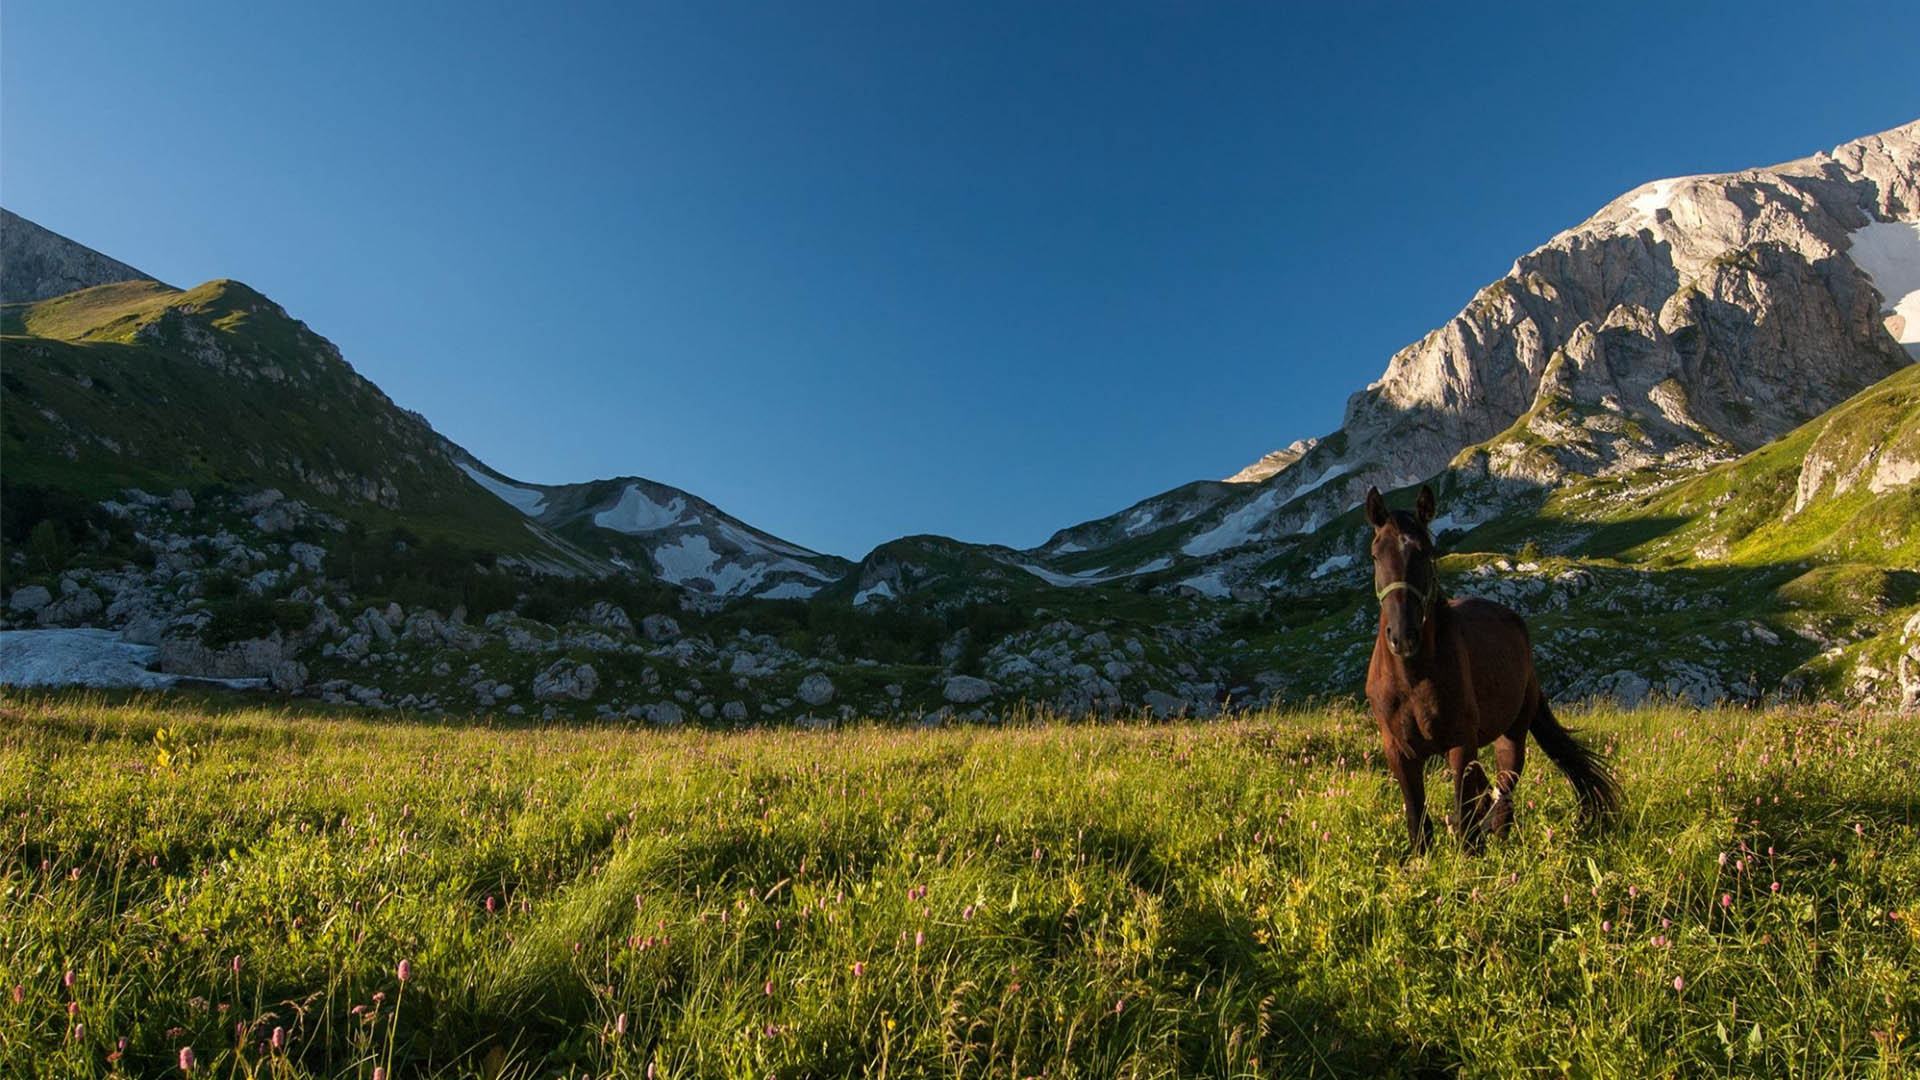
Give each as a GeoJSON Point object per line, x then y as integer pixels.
{"type": "Point", "coordinates": [1053, 899]}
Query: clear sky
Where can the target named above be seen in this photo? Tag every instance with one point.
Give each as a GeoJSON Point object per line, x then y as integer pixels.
{"type": "Point", "coordinates": [854, 271]}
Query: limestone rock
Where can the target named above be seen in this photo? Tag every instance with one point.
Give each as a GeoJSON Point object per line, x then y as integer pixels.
{"type": "Point", "coordinates": [28, 599]}
{"type": "Point", "coordinates": [967, 689]}
{"type": "Point", "coordinates": [186, 655]}
{"type": "Point", "coordinates": [609, 616]}
{"type": "Point", "coordinates": [565, 680]}
{"type": "Point", "coordinates": [659, 628]}
{"type": "Point", "coordinates": [72, 607]}
{"type": "Point", "coordinates": [816, 689]}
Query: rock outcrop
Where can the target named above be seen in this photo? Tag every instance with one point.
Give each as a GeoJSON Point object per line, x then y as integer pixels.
{"type": "Point", "coordinates": [38, 264]}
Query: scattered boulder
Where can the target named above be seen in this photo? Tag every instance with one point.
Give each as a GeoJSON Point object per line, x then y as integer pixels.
{"type": "Point", "coordinates": [566, 680]}
{"type": "Point", "coordinates": [609, 616]}
{"type": "Point", "coordinates": [180, 501]}
{"type": "Point", "coordinates": [28, 599]}
{"type": "Point", "coordinates": [260, 500]}
{"type": "Point", "coordinates": [659, 714]}
{"type": "Point", "coordinates": [816, 689]}
{"type": "Point", "coordinates": [734, 712]}
{"type": "Point", "coordinates": [660, 628]}
{"type": "Point", "coordinates": [72, 607]}
{"type": "Point", "coordinates": [967, 689]}
{"type": "Point", "coordinates": [288, 676]}
{"type": "Point", "coordinates": [182, 654]}
{"type": "Point", "coordinates": [1910, 664]}
{"type": "Point", "coordinates": [309, 556]}
{"type": "Point", "coordinates": [1163, 704]}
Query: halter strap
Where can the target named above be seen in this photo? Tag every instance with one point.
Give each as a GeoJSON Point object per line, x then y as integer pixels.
{"type": "Point", "coordinates": [1426, 597]}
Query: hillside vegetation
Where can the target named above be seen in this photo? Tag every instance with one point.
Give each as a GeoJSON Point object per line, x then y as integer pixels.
{"type": "Point", "coordinates": [1043, 898]}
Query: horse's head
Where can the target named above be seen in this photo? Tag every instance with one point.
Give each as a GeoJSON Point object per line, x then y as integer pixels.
{"type": "Point", "coordinates": [1403, 572]}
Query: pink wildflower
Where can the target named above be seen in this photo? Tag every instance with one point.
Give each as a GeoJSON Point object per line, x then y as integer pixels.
{"type": "Point", "coordinates": [186, 1059]}
{"type": "Point", "coordinates": [406, 971]}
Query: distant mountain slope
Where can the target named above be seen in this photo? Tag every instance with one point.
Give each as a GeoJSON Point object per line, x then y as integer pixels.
{"type": "Point", "coordinates": [36, 264]}
{"type": "Point", "coordinates": [682, 538]}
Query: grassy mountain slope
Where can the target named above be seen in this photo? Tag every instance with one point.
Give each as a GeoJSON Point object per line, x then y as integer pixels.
{"type": "Point", "coordinates": [142, 385]}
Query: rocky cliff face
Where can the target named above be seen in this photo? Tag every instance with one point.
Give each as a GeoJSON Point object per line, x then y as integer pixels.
{"type": "Point", "coordinates": [36, 264]}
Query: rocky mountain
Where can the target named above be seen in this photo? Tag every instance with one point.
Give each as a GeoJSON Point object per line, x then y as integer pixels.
{"type": "Point", "coordinates": [36, 264]}
{"type": "Point", "coordinates": [1689, 320]}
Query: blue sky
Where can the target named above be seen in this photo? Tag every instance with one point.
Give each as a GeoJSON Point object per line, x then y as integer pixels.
{"type": "Point", "coordinates": [855, 271]}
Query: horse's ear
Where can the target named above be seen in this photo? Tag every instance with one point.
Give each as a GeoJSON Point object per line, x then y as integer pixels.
{"type": "Point", "coordinates": [1376, 508]}
{"type": "Point", "coordinates": [1423, 507]}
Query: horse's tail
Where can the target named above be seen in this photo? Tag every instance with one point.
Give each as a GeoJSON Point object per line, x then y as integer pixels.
{"type": "Point", "coordinates": [1593, 784]}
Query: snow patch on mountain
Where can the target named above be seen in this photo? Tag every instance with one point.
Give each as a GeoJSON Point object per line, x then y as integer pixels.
{"type": "Point", "coordinates": [1888, 252]}
{"type": "Point", "coordinates": [749, 542]}
{"type": "Point", "coordinates": [526, 500]}
{"type": "Point", "coordinates": [1212, 585]}
{"type": "Point", "coordinates": [1336, 562]}
{"type": "Point", "coordinates": [878, 591]}
{"type": "Point", "coordinates": [789, 590]}
{"type": "Point", "coordinates": [1236, 528]}
{"type": "Point", "coordinates": [636, 513]}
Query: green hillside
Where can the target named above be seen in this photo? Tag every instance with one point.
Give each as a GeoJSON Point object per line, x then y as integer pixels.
{"type": "Point", "coordinates": [141, 385]}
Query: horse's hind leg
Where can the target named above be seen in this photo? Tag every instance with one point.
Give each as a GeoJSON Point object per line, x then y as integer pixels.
{"type": "Point", "coordinates": [1470, 796]}
{"type": "Point", "coordinates": [1510, 755]}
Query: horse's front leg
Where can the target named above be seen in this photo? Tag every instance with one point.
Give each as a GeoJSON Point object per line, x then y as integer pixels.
{"type": "Point", "coordinates": [1469, 795]}
{"type": "Point", "coordinates": [1511, 755]}
{"type": "Point", "coordinates": [1406, 769]}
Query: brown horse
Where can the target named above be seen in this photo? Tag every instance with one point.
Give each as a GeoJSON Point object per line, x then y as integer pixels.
{"type": "Point", "coordinates": [1449, 677]}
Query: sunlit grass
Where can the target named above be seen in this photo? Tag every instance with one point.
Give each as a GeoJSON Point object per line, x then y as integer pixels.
{"type": "Point", "coordinates": [1221, 899]}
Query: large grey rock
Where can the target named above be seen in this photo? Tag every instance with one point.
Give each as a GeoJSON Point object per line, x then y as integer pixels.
{"type": "Point", "coordinates": [659, 714]}
{"type": "Point", "coordinates": [28, 599]}
{"type": "Point", "coordinates": [309, 556]}
{"type": "Point", "coordinates": [73, 607]}
{"type": "Point", "coordinates": [1164, 704]}
{"type": "Point", "coordinates": [288, 676]}
{"type": "Point", "coordinates": [565, 680]}
{"type": "Point", "coordinates": [660, 628]}
{"type": "Point", "coordinates": [1909, 667]}
{"type": "Point", "coordinates": [180, 501]}
{"type": "Point", "coordinates": [967, 689]}
{"type": "Point", "coordinates": [184, 655]}
{"type": "Point", "coordinates": [609, 616]}
{"type": "Point", "coordinates": [816, 689]}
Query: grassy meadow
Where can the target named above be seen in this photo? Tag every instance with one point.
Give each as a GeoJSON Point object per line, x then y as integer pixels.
{"type": "Point", "coordinates": [293, 893]}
